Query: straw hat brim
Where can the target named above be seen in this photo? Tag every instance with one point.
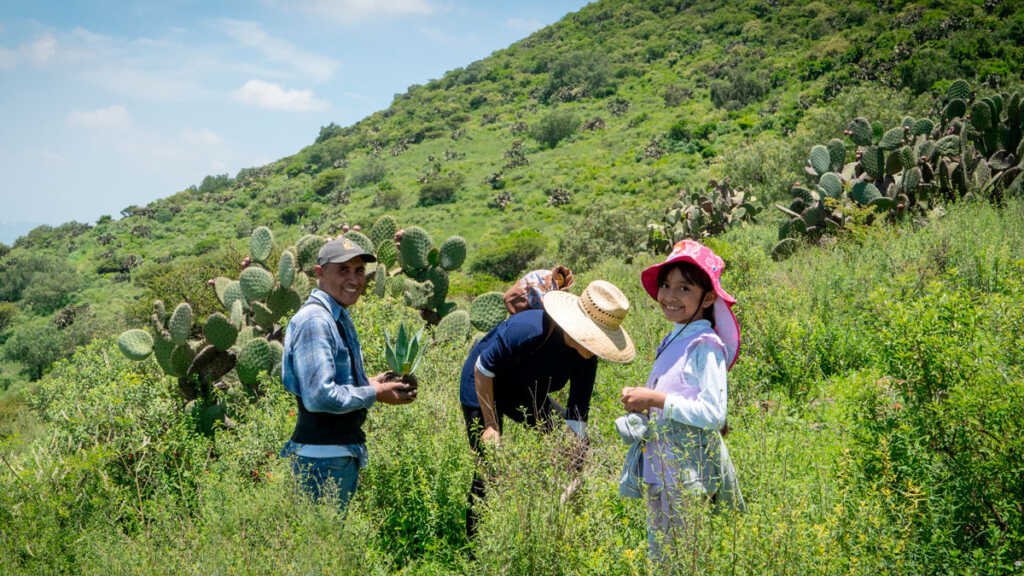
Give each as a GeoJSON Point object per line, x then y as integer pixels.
{"type": "Point", "coordinates": [612, 345]}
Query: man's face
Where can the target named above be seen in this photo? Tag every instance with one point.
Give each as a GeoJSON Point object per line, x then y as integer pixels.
{"type": "Point", "coordinates": [344, 281]}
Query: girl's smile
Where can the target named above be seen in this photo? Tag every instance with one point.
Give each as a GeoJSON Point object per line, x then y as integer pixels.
{"type": "Point", "coordinates": [682, 301]}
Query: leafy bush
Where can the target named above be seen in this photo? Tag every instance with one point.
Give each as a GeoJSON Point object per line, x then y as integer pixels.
{"type": "Point", "coordinates": [328, 182]}
{"type": "Point", "coordinates": [35, 344]}
{"type": "Point", "coordinates": [607, 234]}
{"type": "Point", "coordinates": [507, 255]}
{"type": "Point", "coordinates": [578, 75]}
{"type": "Point", "coordinates": [441, 189]}
{"type": "Point", "coordinates": [372, 171]}
{"type": "Point", "coordinates": [555, 127]}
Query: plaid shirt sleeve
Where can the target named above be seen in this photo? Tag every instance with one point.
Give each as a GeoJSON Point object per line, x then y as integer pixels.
{"type": "Point", "coordinates": [317, 366]}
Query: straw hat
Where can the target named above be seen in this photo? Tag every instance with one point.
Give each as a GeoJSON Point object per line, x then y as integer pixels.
{"type": "Point", "coordinates": [726, 325]}
{"type": "Point", "coordinates": [594, 319]}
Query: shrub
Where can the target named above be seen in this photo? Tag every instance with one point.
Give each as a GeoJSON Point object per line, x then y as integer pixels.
{"type": "Point", "coordinates": [555, 127]}
{"type": "Point", "coordinates": [440, 189]}
{"type": "Point", "coordinates": [387, 196]}
{"type": "Point", "coordinates": [35, 345]}
{"type": "Point", "coordinates": [578, 75]}
{"type": "Point", "coordinates": [508, 255]}
{"type": "Point", "coordinates": [328, 182]}
{"type": "Point", "coordinates": [371, 172]}
{"type": "Point", "coordinates": [607, 234]}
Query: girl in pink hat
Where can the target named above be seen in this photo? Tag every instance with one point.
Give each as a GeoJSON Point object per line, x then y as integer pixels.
{"type": "Point", "coordinates": [685, 397]}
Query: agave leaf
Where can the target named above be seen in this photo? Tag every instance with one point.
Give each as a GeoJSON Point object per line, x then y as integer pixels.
{"type": "Point", "coordinates": [389, 353]}
{"type": "Point", "coordinates": [418, 355]}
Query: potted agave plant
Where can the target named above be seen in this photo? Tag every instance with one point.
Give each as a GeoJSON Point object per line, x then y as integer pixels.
{"type": "Point", "coordinates": [403, 355]}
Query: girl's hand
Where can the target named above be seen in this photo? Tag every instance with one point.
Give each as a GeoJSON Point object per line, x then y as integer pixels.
{"type": "Point", "coordinates": [638, 399]}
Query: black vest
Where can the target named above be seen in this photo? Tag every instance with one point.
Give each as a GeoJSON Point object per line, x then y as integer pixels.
{"type": "Point", "coordinates": [325, 428]}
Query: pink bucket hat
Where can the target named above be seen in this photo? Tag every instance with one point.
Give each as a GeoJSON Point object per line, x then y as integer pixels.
{"type": "Point", "coordinates": [726, 326]}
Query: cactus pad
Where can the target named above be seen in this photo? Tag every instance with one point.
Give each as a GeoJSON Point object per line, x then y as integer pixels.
{"type": "Point", "coordinates": [956, 108]}
{"type": "Point", "coordinates": [439, 278]}
{"type": "Point", "coordinates": [181, 359]}
{"type": "Point", "coordinates": [860, 131]}
{"type": "Point", "coordinates": [949, 145]}
{"type": "Point", "coordinates": [256, 283]}
{"type": "Point", "coordinates": [232, 293]}
{"type": "Point", "coordinates": [360, 239]}
{"type": "Point", "coordinates": [237, 314]}
{"type": "Point", "coordinates": [383, 230]}
{"type": "Point", "coordinates": [180, 324]}
{"type": "Point", "coordinates": [306, 250]}
{"type": "Point", "coordinates": [387, 254]}
{"type": "Point", "coordinates": [892, 139]}
{"type": "Point", "coordinates": [415, 248]}
{"type": "Point", "coordinates": [255, 357]}
{"type": "Point", "coordinates": [211, 364]}
{"type": "Point", "coordinates": [836, 154]}
{"type": "Point", "coordinates": [959, 89]}
{"type": "Point", "coordinates": [135, 344]}
{"type": "Point", "coordinates": [831, 184]}
{"type": "Point", "coordinates": [220, 285]}
{"type": "Point", "coordinates": [864, 192]}
{"type": "Point", "coordinates": [454, 327]}
{"type": "Point", "coordinates": [820, 160]}
{"type": "Point", "coordinates": [453, 253]}
{"type": "Point", "coordinates": [922, 127]}
{"type": "Point", "coordinates": [281, 301]}
{"type": "Point", "coordinates": [981, 116]}
{"type": "Point", "coordinates": [219, 331]}
{"type": "Point", "coordinates": [873, 162]}
{"type": "Point", "coordinates": [488, 310]}
{"type": "Point", "coordinates": [261, 244]}
{"type": "Point", "coordinates": [286, 269]}
{"type": "Point", "coordinates": [262, 316]}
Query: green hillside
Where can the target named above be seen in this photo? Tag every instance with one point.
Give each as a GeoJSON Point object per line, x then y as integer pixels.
{"type": "Point", "coordinates": [877, 406]}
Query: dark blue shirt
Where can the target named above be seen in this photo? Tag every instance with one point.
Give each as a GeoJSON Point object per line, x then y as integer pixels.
{"type": "Point", "coordinates": [529, 358]}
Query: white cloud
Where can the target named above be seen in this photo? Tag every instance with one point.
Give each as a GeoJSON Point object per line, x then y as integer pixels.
{"type": "Point", "coordinates": [42, 50]}
{"type": "Point", "coordinates": [278, 51]}
{"type": "Point", "coordinates": [350, 11]}
{"type": "Point", "coordinates": [109, 118]}
{"type": "Point", "coordinates": [273, 97]}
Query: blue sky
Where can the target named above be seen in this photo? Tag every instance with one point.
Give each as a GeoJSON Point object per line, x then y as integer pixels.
{"type": "Point", "coordinates": [105, 104]}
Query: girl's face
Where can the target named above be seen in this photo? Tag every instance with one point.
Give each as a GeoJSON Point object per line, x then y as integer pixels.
{"type": "Point", "coordinates": [682, 301]}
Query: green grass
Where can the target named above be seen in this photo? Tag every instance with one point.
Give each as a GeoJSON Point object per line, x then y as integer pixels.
{"type": "Point", "coordinates": [876, 421]}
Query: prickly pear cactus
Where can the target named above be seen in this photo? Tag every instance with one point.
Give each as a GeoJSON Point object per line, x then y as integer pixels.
{"type": "Point", "coordinates": [261, 244]}
{"type": "Point", "coordinates": [453, 253]}
{"type": "Point", "coordinates": [361, 240]}
{"type": "Point", "coordinates": [415, 248]}
{"type": "Point", "coordinates": [180, 323]}
{"type": "Point", "coordinates": [219, 331]}
{"type": "Point", "coordinates": [135, 344]}
{"type": "Point", "coordinates": [256, 356]}
{"type": "Point", "coordinates": [454, 328]}
{"type": "Point", "coordinates": [487, 311]}
{"type": "Point", "coordinates": [256, 283]}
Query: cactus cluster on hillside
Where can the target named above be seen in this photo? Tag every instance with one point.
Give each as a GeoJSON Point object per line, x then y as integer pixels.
{"type": "Point", "coordinates": [247, 339]}
{"type": "Point", "coordinates": [698, 215]}
{"type": "Point", "coordinates": [410, 266]}
{"type": "Point", "coordinates": [974, 149]}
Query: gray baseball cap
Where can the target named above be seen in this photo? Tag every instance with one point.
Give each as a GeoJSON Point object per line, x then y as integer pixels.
{"type": "Point", "coordinates": [342, 250]}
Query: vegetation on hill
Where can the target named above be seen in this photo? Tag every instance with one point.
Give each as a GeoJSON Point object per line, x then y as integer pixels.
{"type": "Point", "coordinates": [878, 404]}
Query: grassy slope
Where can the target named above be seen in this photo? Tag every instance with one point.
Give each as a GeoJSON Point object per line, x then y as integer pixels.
{"type": "Point", "coordinates": [826, 334]}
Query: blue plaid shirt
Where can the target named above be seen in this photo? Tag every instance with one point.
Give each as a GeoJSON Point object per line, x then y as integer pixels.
{"type": "Point", "coordinates": [316, 366]}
